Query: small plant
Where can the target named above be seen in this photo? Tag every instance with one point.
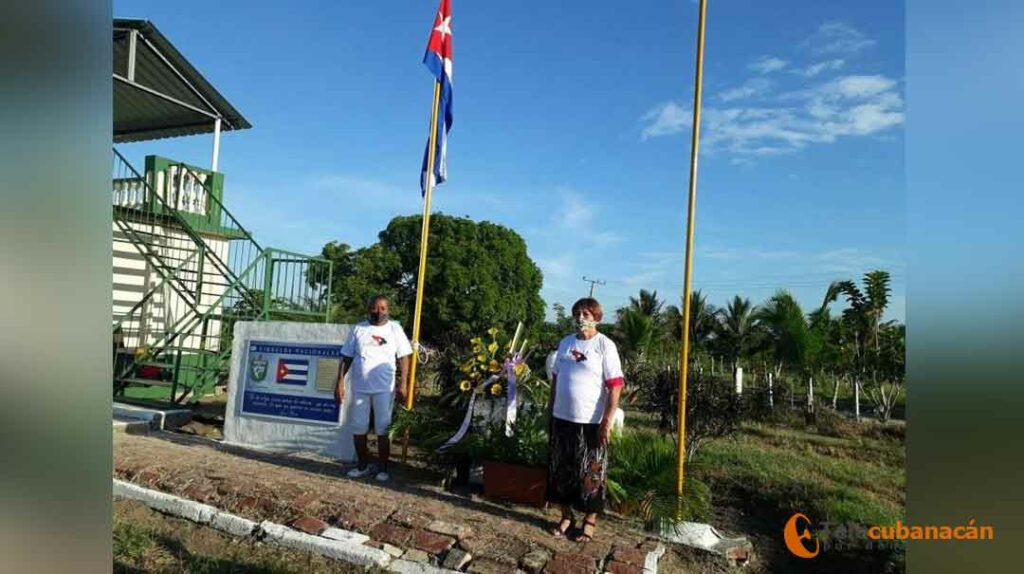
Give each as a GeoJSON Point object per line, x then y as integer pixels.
{"type": "Point", "coordinates": [642, 481]}
{"type": "Point", "coordinates": [131, 543]}
{"type": "Point", "coordinates": [526, 444]}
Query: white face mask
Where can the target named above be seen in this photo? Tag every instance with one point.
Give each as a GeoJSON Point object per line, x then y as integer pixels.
{"type": "Point", "coordinates": [583, 324]}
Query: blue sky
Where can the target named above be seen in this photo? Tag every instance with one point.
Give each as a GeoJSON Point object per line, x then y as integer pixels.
{"type": "Point", "coordinates": [572, 127]}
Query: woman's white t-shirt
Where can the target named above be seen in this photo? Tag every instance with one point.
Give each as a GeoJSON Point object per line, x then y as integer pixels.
{"type": "Point", "coordinates": [584, 369]}
{"type": "Point", "coordinates": [373, 349]}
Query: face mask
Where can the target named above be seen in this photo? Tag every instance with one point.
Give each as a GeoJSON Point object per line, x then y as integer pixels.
{"type": "Point", "coordinates": [378, 318]}
{"type": "Point", "coordinates": [585, 324]}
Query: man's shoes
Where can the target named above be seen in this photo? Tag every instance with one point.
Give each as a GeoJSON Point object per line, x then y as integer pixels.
{"type": "Point", "coordinates": [383, 476]}
{"type": "Point", "coordinates": [360, 472]}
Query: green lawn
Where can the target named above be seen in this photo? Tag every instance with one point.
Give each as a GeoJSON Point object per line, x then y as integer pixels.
{"type": "Point", "coordinates": [855, 478]}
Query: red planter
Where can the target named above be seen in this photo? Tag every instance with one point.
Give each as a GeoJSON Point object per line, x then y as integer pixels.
{"type": "Point", "coordinates": [515, 483]}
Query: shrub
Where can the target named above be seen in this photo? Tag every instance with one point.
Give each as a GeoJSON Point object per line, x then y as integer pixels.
{"type": "Point", "coordinates": [713, 409]}
{"type": "Point", "coordinates": [642, 481]}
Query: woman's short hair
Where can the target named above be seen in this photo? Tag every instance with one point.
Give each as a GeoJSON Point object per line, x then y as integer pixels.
{"type": "Point", "coordinates": [588, 304]}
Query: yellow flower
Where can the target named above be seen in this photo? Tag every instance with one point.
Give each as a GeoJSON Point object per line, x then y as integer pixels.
{"type": "Point", "coordinates": [465, 386]}
{"type": "Point", "coordinates": [494, 366]}
{"type": "Point", "coordinates": [493, 331]}
{"type": "Point", "coordinates": [478, 348]}
{"type": "Point", "coordinates": [496, 389]}
{"type": "Point", "coordinates": [482, 359]}
{"type": "Point", "coordinates": [493, 347]}
{"type": "Point", "coordinates": [475, 375]}
{"type": "Point", "coordinates": [519, 369]}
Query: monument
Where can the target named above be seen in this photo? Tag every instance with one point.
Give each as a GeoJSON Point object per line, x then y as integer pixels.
{"type": "Point", "coordinates": [281, 389]}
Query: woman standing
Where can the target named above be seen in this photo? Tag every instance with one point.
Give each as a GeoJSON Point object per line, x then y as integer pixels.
{"type": "Point", "coordinates": [586, 383]}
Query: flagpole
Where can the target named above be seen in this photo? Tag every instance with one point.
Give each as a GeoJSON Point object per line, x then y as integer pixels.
{"type": "Point", "coordinates": [421, 275]}
{"type": "Point", "coordinates": [684, 354]}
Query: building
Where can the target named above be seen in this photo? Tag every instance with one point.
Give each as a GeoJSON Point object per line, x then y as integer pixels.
{"type": "Point", "coordinates": [184, 268]}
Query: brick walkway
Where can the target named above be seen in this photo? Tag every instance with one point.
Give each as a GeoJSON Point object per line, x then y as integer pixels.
{"type": "Point", "coordinates": [409, 516]}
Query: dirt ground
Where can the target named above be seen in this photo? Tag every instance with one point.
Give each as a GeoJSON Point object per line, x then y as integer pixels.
{"type": "Point", "coordinates": [283, 488]}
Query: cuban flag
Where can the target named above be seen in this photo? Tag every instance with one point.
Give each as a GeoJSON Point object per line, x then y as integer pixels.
{"type": "Point", "coordinates": [438, 60]}
{"type": "Point", "coordinates": [292, 371]}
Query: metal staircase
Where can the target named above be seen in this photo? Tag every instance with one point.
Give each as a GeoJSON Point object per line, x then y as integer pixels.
{"type": "Point", "coordinates": [185, 272]}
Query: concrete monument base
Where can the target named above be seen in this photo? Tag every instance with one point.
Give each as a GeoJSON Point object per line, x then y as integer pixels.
{"type": "Point", "coordinates": [328, 438]}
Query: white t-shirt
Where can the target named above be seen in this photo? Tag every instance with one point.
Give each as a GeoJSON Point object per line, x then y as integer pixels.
{"type": "Point", "coordinates": [373, 349]}
{"type": "Point", "coordinates": [584, 370]}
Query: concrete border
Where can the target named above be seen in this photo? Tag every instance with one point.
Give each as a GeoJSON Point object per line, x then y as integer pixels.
{"type": "Point", "coordinates": [652, 559]}
{"type": "Point", "coordinates": [345, 550]}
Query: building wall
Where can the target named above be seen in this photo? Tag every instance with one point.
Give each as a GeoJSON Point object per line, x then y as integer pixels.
{"type": "Point", "coordinates": [133, 277]}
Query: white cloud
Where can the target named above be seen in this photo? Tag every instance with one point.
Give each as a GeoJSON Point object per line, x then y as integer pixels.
{"type": "Point", "coordinates": [579, 217]}
{"type": "Point", "coordinates": [665, 119]}
{"type": "Point", "coordinates": [816, 69]}
{"type": "Point", "coordinates": [837, 38]}
{"type": "Point", "coordinates": [853, 262]}
{"type": "Point", "coordinates": [767, 64]}
{"type": "Point", "coordinates": [750, 88]}
{"type": "Point", "coordinates": [854, 105]}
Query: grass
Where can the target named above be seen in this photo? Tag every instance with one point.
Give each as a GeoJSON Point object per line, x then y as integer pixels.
{"type": "Point", "coordinates": [837, 471]}
{"type": "Point", "coordinates": [850, 479]}
{"type": "Point", "coordinates": [147, 541]}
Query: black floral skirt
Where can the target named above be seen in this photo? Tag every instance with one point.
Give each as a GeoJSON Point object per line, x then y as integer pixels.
{"type": "Point", "coordinates": [577, 466]}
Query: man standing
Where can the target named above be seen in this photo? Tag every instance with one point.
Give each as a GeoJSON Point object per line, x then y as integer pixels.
{"type": "Point", "coordinates": [369, 354]}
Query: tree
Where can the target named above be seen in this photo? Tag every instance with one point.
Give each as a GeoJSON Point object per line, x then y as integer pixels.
{"type": "Point", "coordinates": [478, 275]}
{"type": "Point", "coordinates": [702, 320]}
{"type": "Point", "coordinates": [791, 341]}
{"type": "Point", "coordinates": [635, 332]}
{"type": "Point", "coordinates": [736, 329]}
{"type": "Point", "coordinates": [640, 324]}
{"type": "Point", "coordinates": [863, 315]}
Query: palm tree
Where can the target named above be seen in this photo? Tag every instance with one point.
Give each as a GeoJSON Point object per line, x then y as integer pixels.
{"type": "Point", "coordinates": [863, 315]}
{"type": "Point", "coordinates": [647, 303]}
{"type": "Point", "coordinates": [737, 333]}
{"type": "Point", "coordinates": [635, 332]}
{"type": "Point", "coordinates": [790, 339]}
{"type": "Point", "coordinates": [866, 306]}
{"type": "Point", "coordinates": [702, 320]}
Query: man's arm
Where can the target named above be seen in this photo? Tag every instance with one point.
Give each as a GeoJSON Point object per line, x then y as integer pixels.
{"type": "Point", "coordinates": [403, 377]}
{"type": "Point", "coordinates": [339, 386]}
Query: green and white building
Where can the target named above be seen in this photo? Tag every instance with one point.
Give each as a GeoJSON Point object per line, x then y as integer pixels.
{"type": "Point", "coordinates": [184, 268]}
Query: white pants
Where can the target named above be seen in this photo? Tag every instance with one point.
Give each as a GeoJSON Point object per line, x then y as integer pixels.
{"type": "Point", "coordinates": [358, 417]}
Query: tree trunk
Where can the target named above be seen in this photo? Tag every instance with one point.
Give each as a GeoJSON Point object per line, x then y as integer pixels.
{"type": "Point", "coordinates": [737, 377]}
{"type": "Point", "coordinates": [835, 392]}
{"type": "Point", "coordinates": [856, 399]}
{"type": "Point", "coordinates": [771, 396]}
{"type": "Point", "coordinates": [810, 401]}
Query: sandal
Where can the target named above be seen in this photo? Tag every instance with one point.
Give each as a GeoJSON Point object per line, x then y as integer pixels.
{"type": "Point", "coordinates": [559, 531]}
{"type": "Point", "coordinates": [583, 536]}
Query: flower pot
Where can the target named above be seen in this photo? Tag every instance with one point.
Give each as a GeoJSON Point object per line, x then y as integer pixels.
{"type": "Point", "coordinates": [515, 483]}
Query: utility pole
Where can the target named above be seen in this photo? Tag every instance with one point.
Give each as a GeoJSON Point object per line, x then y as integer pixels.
{"type": "Point", "coordinates": [592, 282]}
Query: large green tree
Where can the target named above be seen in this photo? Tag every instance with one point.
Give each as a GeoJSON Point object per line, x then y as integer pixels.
{"type": "Point", "coordinates": [478, 275]}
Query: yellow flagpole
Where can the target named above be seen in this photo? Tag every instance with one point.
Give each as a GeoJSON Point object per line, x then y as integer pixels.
{"type": "Point", "coordinates": [684, 353]}
{"type": "Point", "coordinates": [424, 235]}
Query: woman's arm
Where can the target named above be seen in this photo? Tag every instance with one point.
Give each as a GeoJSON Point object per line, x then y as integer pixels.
{"type": "Point", "coordinates": [609, 412]}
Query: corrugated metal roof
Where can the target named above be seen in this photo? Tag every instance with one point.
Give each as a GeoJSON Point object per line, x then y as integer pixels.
{"type": "Point", "coordinates": [141, 115]}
